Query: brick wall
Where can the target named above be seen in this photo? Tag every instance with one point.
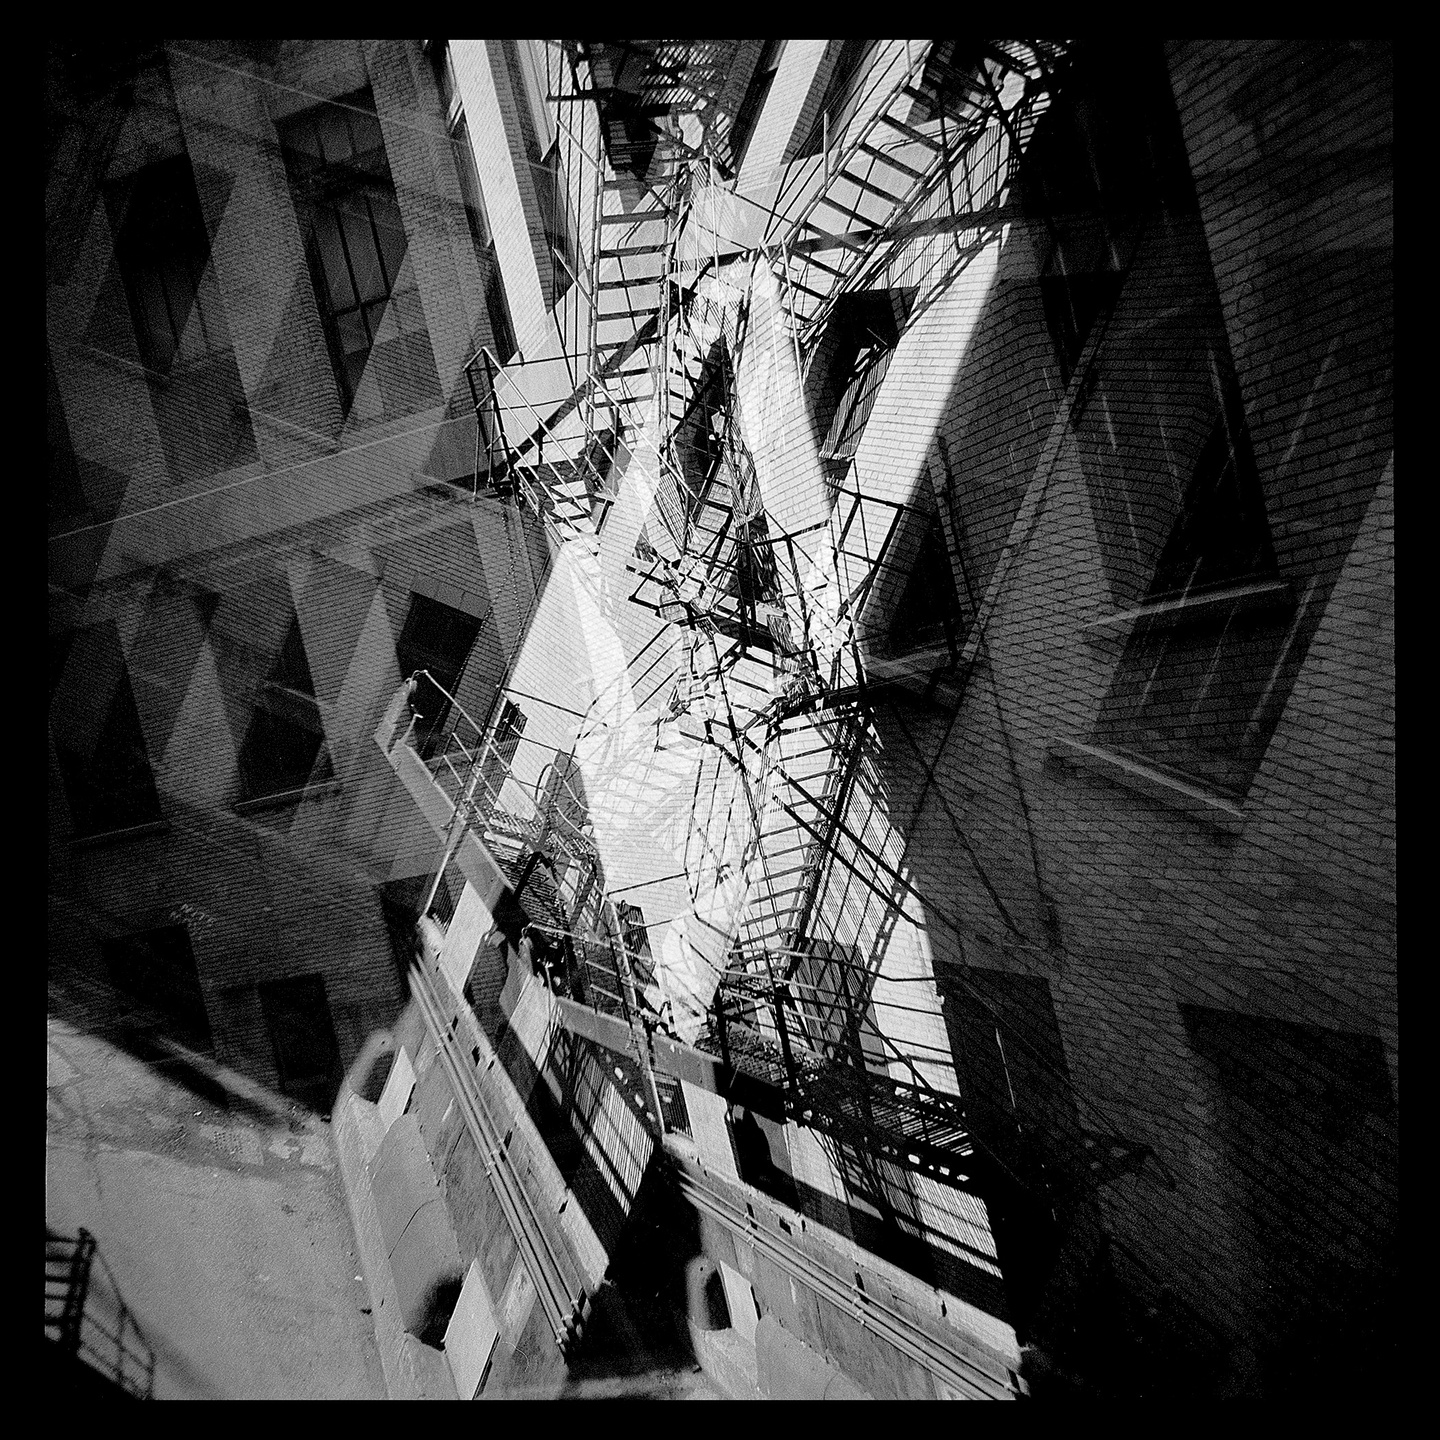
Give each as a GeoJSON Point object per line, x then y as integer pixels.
{"type": "Point", "coordinates": [330, 524]}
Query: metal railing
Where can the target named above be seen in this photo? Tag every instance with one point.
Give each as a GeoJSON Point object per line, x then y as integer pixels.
{"type": "Point", "coordinates": [470, 765]}
{"type": "Point", "coordinates": [557, 1278]}
{"type": "Point", "coordinates": [103, 1335]}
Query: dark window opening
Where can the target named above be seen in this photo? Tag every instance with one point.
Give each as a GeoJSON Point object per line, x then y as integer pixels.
{"type": "Point", "coordinates": [509, 727]}
{"type": "Point", "coordinates": [446, 897]}
{"type": "Point", "coordinates": [400, 902]}
{"type": "Point", "coordinates": [1073, 301]}
{"type": "Point", "coordinates": [1010, 1062]}
{"type": "Point", "coordinates": [597, 468]}
{"type": "Point", "coordinates": [761, 1155]}
{"type": "Point", "coordinates": [1096, 171]}
{"type": "Point", "coordinates": [284, 749]}
{"type": "Point", "coordinates": [556, 223]}
{"type": "Point", "coordinates": [753, 104]}
{"type": "Point", "coordinates": [109, 782]}
{"type": "Point", "coordinates": [1199, 692]}
{"type": "Point", "coordinates": [562, 792]}
{"type": "Point", "coordinates": [436, 638]}
{"type": "Point", "coordinates": [477, 218]}
{"type": "Point", "coordinates": [355, 239]}
{"type": "Point", "coordinates": [928, 613]}
{"type": "Point", "coordinates": [636, 938]}
{"type": "Point", "coordinates": [542, 148]}
{"type": "Point", "coordinates": [1309, 1128]}
{"type": "Point", "coordinates": [302, 1037]}
{"type": "Point", "coordinates": [842, 93]}
{"type": "Point", "coordinates": [162, 248]}
{"type": "Point", "coordinates": [157, 968]}
{"type": "Point", "coordinates": [630, 118]}
{"type": "Point", "coordinates": [755, 576]}
{"type": "Point", "coordinates": [497, 309]}
{"type": "Point", "coordinates": [1222, 536]}
{"type": "Point", "coordinates": [698, 438]}
{"type": "Point", "coordinates": [1190, 694]}
{"type": "Point", "coordinates": [849, 368]}
{"type": "Point", "coordinates": [442, 61]}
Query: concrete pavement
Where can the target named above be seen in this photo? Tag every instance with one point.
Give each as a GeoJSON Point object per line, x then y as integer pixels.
{"type": "Point", "coordinates": [224, 1225]}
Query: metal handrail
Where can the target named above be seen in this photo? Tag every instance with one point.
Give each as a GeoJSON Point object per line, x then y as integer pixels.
{"type": "Point", "coordinates": [799, 169]}
{"type": "Point", "coordinates": [118, 1348]}
{"type": "Point", "coordinates": [591, 436]}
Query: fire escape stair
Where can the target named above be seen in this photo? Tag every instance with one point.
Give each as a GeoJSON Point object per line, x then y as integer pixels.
{"type": "Point", "coordinates": [887, 167]}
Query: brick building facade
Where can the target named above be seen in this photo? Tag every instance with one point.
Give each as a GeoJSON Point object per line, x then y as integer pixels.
{"type": "Point", "coordinates": [915, 604]}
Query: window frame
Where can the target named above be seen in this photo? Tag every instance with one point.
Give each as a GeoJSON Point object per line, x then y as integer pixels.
{"type": "Point", "coordinates": [1204, 651]}
{"type": "Point", "coordinates": [472, 194]}
{"type": "Point", "coordinates": [329, 191]}
{"type": "Point", "coordinates": [162, 250]}
{"type": "Point", "coordinates": [747, 117]}
{"type": "Point", "coordinates": [410, 645]}
{"type": "Point", "coordinates": [282, 712]}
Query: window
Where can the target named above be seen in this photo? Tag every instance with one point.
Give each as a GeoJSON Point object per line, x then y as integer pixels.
{"type": "Point", "coordinates": [753, 104]}
{"type": "Point", "coordinates": [1308, 1127]}
{"type": "Point", "coordinates": [636, 939]}
{"type": "Point", "coordinates": [497, 306]}
{"type": "Point", "coordinates": [497, 309]}
{"type": "Point", "coordinates": [928, 612]}
{"type": "Point", "coordinates": [162, 248]}
{"type": "Point", "coordinates": [852, 361]}
{"type": "Point", "coordinates": [842, 93]}
{"type": "Point", "coordinates": [436, 638]}
{"type": "Point", "coordinates": [1020, 1104]}
{"type": "Point", "coordinates": [284, 748]}
{"type": "Point", "coordinates": [1195, 691]}
{"type": "Point", "coordinates": [509, 727]}
{"type": "Point", "coordinates": [542, 147]}
{"type": "Point", "coordinates": [99, 742]}
{"type": "Point", "coordinates": [157, 968]}
{"type": "Point", "coordinates": [162, 252]}
{"type": "Point", "coordinates": [302, 1039]}
{"type": "Point", "coordinates": [355, 238]}
{"type": "Point", "coordinates": [556, 223]}
{"type": "Point", "coordinates": [562, 797]}
{"type": "Point", "coordinates": [527, 69]}
{"type": "Point", "coordinates": [1106, 157]}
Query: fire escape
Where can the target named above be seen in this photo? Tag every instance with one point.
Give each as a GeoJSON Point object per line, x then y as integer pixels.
{"type": "Point", "coordinates": [773, 680]}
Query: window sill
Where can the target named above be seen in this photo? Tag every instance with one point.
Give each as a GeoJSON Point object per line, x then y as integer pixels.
{"type": "Point", "coordinates": [936, 672]}
{"type": "Point", "coordinates": [162, 379]}
{"type": "Point", "coordinates": [1200, 804]}
{"type": "Point", "coordinates": [1115, 629]}
{"type": "Point", "coordinates": [112, 837]}
{"type": "Point", "coordinates": [282, 798]}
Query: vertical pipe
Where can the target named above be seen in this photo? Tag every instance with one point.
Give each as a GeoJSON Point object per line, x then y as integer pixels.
{"type": "Point", "coordinates": [781, 993]}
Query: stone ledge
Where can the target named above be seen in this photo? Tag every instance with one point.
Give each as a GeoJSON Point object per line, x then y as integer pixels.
{"type": "Point", "coordinates": [413, 1371]}
{"type": "Point", "coordinates": [1204, 805]}
{"type": "Point", "coordinates": [116, 837]}
{"type": "Point", "coordinates": [1116, 628]}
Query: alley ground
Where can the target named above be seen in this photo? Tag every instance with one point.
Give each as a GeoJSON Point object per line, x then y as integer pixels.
{"type": "Point", "coordinates": [217, 1208]}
